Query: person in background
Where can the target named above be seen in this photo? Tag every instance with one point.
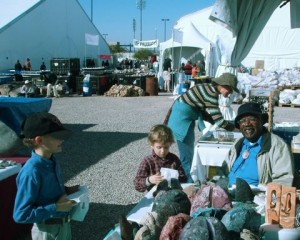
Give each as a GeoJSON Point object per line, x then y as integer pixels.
{"type": "Point", "coordinates": [156, 67]}
{"type": "Point", "coordinates": [50, 82]}
{"type": "Point", "coordinates": [27, 90]}
{"type": "Point", "coordinates": [43, 66]}
{"type": "Point", "coordinates": [148, 175]}
{"type": "Point", "coordinates": [18, 71]}
{"type": "Point", "coordinates": [188, 70]}
{"type": "Point", "coordinates": [27, 65]}
{"type": "Point", "coordinates": [259, 157]}
{"type": "Point", "coordinates": [167, 74]}
{"type": "Point", "coordinates": [195, 70]}
{"type": "Point", "coordinates": [199, 102]}
{"type": "Point", "coordinates": [41, 195]}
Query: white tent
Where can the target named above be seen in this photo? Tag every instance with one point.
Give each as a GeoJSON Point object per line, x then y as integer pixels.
{"type": "Point", "coordinates": [278, 45]}
{"type": "Point", "coordinates": [44, 30]}
{"type": "Point", "coordinates": [198, 43]}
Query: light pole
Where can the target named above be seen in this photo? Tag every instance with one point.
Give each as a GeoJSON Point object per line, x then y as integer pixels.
{"type": "Point", "coordinates": [165, 20]}
{"type": "Point", "coordinates": [92, 10]}
{"type": "Point", "coordinates": [141, 5]}
{"type": "Point", "coordinates": [104, 35]}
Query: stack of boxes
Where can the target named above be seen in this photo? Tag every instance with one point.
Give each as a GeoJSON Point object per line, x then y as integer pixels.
{"type": "Point", "coordinates": [259, 66]}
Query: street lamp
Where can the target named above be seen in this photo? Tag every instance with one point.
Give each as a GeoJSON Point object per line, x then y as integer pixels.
{"type": "Point", "coordinates": [165, 20]}
{"type": "Point", "coordinates": [141, 4]}
{"type": "Point", "coordinates": [104, 35]}
{"type": "Point", "coordinates": [92, 10]}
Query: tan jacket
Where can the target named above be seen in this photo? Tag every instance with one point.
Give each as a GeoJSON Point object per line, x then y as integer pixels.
{"type": "Point", "coordinates": [275, 161]}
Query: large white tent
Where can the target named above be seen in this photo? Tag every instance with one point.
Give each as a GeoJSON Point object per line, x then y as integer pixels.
{"type": "Point", "coordinates": [46, 29]}
{"type": "Point", "coordinates": [278, 45]}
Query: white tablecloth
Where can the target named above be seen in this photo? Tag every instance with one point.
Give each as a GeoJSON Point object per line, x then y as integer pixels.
{"type": "Point", "coordinates": [205, 155]}
{"type": "Point", "coordinates": [9, 171]}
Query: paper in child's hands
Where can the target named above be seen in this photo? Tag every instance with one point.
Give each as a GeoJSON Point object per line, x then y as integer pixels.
{"type": "Point", "coordinates": [80, 210]}
{"type": "Point", "coordinates": [169, 173]}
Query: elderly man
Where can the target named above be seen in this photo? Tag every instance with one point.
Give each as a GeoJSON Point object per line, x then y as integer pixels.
{"type": "Point", "coordinates": [259, 157]}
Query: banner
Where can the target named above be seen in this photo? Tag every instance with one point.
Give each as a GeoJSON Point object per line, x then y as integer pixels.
{"type": "Point", "coordinates": [92, 39]}
{"type": "Point", "coordinates": [177, 35]}
{"type": "Point", "coordinates": [105, 56]}
{"type": "Point", "coordinates": [145, 44]}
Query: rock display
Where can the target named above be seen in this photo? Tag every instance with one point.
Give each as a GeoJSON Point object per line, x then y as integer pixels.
{"type": "Point", "coordinates": [124, 91]}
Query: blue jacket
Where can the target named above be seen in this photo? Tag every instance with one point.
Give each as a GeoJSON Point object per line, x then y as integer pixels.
{"type": "Point", "coordinates": [40, 185]}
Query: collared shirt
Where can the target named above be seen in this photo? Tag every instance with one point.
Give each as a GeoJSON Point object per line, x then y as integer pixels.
{"type": "Point", "coordinates": [152, 165]}
{"type": "Point", "coordinates": [205, 98]}
{"type": "Point", "coordinates": [245, 167]}
{"type": "Point", "coordinates": [40, 185]}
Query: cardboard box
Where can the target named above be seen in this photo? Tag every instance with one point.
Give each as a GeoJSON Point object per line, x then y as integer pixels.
{"type": "Point", "coordinates": [255, 71]}
{"type": "Point", "coordinates": [260, 64]}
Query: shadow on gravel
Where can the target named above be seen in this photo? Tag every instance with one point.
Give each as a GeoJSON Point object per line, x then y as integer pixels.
{"type": "Point", "coordinates": [99, 223]}
{"type": "Point", "coordinates": [86, 148]}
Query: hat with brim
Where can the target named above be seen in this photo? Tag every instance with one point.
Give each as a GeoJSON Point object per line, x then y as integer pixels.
{"type": "Point", "coordinates": [252, 109]}
{"type": "Point", "coordinates": [43, 123]}
{"type": "Point", "coordinates": [227, 79]}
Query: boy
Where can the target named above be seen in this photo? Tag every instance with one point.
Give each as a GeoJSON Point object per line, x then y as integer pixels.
{"type": "Point", "coordinates": [148, 175]}
{"type": "Point", "coordinates": [42, 197]}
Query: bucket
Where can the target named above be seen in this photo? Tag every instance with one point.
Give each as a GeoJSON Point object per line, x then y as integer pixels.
{"type": "Point", "coordinates": [183, 87]}
{"type": "Point", "coordinates": [151, 86]}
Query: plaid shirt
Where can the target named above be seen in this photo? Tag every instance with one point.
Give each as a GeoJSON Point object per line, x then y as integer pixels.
{"type": "Point", "coordinates": [152, 165]}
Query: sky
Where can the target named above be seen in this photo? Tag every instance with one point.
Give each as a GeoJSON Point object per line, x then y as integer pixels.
{"type": "Point", "coordinates": [114, 18]}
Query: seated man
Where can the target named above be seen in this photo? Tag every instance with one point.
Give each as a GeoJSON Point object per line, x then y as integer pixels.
{"type": "Point", "coordinates": [259, 157]}
{"type": "Point", "coordinates": [27, 90]}
{"type": "Point", "coordinates": [50, 82]}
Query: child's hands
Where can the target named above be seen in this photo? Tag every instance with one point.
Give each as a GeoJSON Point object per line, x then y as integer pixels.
{"type": "Point", "coordinates": [64, 204]}
{"type": "Point", "coordinates": [156, 179]}
{"type": "Point", "coordinates": [72, 189]}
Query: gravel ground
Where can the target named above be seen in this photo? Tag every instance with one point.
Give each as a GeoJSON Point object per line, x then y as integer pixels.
{"type": "Point", "coordinates": [109, 141]}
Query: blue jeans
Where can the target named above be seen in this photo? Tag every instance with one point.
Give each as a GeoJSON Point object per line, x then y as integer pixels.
{"type": "Point", "coordinates": [186, 152]}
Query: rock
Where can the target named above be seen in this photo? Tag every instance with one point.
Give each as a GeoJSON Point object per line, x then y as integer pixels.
{"type": "Point", "coordinates": [124, 91]}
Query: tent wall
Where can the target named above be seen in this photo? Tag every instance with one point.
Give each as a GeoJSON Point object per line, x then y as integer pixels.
{"type": "Point", "coordinates": [49, 29]}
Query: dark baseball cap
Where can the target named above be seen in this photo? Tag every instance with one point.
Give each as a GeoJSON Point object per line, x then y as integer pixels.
{"type": "Point", "coordinates": [43, 123]}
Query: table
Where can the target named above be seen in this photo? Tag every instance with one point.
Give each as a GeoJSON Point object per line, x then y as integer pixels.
{"type": "Point", "coordinates": [209, 153]}
{"type": "Point", "coordinates": [138, 213]}
{"type": "Point", "coordinates": [15, 109]}
{"type": "Point", "coordinates": [9, 229]}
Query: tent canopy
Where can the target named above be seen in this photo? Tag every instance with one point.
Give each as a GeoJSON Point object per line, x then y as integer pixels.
{"type": "Point", "coordinates": [254, 30]}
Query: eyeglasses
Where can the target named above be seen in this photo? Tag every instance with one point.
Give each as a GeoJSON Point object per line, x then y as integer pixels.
{"type": "Point", "coordinates": [252, 120]}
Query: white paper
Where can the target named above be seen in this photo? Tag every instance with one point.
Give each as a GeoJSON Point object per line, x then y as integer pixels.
{"type": "Point", "coordinates": [79, 211]}
{"type": "Point", "coordinates": [169, 173]}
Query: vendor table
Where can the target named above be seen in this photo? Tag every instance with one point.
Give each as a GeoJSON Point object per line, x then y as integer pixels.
{"type": "Point", "coordinates": [209, 151]}
{"type": "Point", "coordinates": [9, 229]}
{"type": "Point", "coordinates": [140, 210]}
{"type": "Point", "coordinates": [15, 109]}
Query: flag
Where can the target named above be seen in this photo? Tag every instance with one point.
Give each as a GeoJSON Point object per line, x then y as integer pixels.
{"type": "Point", "coordinates": [177, 35]}
{"type": "Point", "coordinates": [92, 39]}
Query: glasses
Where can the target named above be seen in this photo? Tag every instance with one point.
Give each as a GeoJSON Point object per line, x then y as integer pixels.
{"type": "Point", "coordinates": [252, 120]}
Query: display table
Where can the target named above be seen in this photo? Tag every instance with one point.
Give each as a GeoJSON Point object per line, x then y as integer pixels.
{"type": "Point", "coordinates": [209, 151]}
{"type": "Point", "coordinates": [15, 109]}
{"type": "Point", "coordinates": [8, 189]}
{"type": "Point", "coordinates": [138, 213]}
